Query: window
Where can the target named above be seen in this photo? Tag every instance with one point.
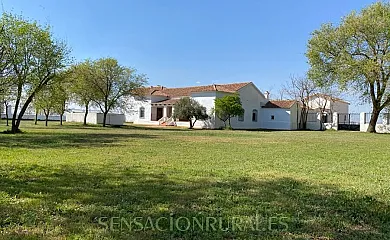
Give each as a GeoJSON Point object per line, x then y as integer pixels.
{"type": "Point", "coordinates": [272, 117]}
{"type": "Point", "coordinates": [254, 115]}
{"type": "Point", "coordinates": [141, 112]}
{"type": "Point", "coordinates": [241, 118]}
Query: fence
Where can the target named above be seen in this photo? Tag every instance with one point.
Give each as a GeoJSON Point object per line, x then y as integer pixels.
{"type": "Point", "coordinates": [349, 118]}
{"type": "Point", "coordinates": [382, 125]}
{"type": "Point", "coordinates": [384, 118]}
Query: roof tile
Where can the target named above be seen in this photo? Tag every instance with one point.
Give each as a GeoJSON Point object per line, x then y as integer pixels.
{"type": "Point", "coordinates": [279, 104]}
{"type": "Point", "coordinates": [187, 91]}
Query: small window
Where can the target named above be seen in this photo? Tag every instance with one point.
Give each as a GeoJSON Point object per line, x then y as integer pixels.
{"type": "Point", "coordinates": [254, 115]}
{"type": "Point", "coordinates": [141, 112]}
{"type": "Point", "coordinates": [241, 118]}
{"type": "Point", "coordinates": [272, 117]}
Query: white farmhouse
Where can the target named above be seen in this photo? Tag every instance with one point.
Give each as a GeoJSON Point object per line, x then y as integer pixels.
{"type": "Point", "coordinates": [157, 107]}
{"type": "Point", "coordinates": [329, 103]}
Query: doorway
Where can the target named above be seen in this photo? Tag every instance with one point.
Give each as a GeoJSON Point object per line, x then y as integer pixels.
{"type": "Point", "coordinates": [159, 113]}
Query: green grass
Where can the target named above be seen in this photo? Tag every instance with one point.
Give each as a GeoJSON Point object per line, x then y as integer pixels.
{"type": "Point", "coordinates": [57, 182]}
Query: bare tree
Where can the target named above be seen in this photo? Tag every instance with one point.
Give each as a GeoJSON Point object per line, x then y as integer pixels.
{"type": "Point", "coordinates": [281, 93]}
{"type": "Point", "coordinates": [325, 98]}
{"type": "Point", "coordinates": [301, 88]}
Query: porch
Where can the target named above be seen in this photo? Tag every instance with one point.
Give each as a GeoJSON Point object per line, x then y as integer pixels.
{"type": "Point", "coordinates": [162, 110]}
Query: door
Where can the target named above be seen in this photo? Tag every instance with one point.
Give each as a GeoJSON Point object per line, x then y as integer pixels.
{"type": "Point", "coordinates": [169, 112]}
{"type": "Point", "coordinates": [159, 113]}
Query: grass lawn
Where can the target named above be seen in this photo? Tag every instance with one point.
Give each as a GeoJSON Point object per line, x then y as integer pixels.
{"type": "Point", "coordinates": [72, 182]}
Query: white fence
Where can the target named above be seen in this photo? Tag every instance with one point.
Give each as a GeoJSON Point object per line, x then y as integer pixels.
{"type": "Point", "coordinates": [382, 125]}
{"type": "Point", "coordinates": [40, 117]}
{"type": "Point", "coordinates": [349, 121]}
{"type": "Point", "coordinates": [97, 118]}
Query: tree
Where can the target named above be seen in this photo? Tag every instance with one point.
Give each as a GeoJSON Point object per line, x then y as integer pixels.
{"type": "Point", "coordinates": [34, 58]}
{"type": "Point", "coordinates": [6, 97]}
{"type": "Point", "coordinates": [301, 88]}
{"type": "Point", "coordinates": [53, 97]}
{"type": "Point", "coordinates": [188, 108]}
{"type": "Point", "coordinates": [326, 96]}
{"type": "Point", "coordinates": [112, 83]}
{"type": "Point", "coordinates": [81, 76]}
{"type": "Point", "coordinates": [227, 107]}
{"type": "Point", "coordinates": [356, 55]}
{"type": "Point", "coordinates": [61, 93]}
{"type": "Point", "coordinates": [45, 101]}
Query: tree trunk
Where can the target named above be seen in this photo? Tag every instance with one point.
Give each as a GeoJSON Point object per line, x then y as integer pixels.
{"type": "Point", "coordinates": [303, 119]}
{"type": "Point", "coordinates": [61, 118]}
{"type": "Point", "coordinates": [230, 125]}
{"type": "Point", "coordinates": [6, 114]}
{"type": "Point", "coordinates": [191, 125]}
{"type": "Point", "coordinates": [47, 119]}
{"type": "Point", "coordinates": [36, 118]}
{"type": "Point", "coordinates": [15, 123]}
{"type": "Point", "coordinates": [15, 126]}
{"type": "Point", "coordinates": [373, 120]}
{"type": "Point", "coordinates": [86, 114]}
{"type": "Point", "coordinates": [104, 118]}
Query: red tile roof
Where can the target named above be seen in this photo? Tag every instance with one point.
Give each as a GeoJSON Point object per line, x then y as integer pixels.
{"type": "Point", "coordinates": [187, 91]}
{"type": "Point", "coordinates": [166, 102]}
{"type": "Point", "coordinates": [279, 104]}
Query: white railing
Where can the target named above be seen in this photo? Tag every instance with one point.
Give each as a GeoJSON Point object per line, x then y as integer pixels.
{"type": "Point", "coordinates": [167, 121]}
{"type": "Point", "coordinates": [162, 120]}
{"type": "Point", "coordinates": [171, 122]}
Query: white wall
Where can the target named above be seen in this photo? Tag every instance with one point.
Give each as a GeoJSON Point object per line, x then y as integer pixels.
{"type": "Point", "coordinates": [205, 99]}
{"type": "Point", "coordinates": [295, 115]}
{"type": "Point", "coordinates": [318, 102]}
{"type": "Point", "coordinates": [251, 99]}
{"type": "Point", "coordinates": [134, 105]}
{"type": "Point", "coordinates": [96, 118]}
{"type": "Point", "coordinates": [331, 106]}
{"type": "Point", "coordinates": [79, 117]}
{"type": "Point", "coordinates": [340, 107]}
{"type": "Point", "coordinates": [282, 118]}
{"type": "Point", "coordinates": [311, 124]}
{"type": "Point", "coordinates": [380, 128]}
{"type": "Point", "coordinates": [111, 119]}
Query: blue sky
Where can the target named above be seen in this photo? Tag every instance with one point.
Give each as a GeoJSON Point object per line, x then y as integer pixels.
{"type": "Point", "coordinates": [192, 42]}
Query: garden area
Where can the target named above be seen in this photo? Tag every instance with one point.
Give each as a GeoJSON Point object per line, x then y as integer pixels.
{"type": "Point", "coordinates": [76, 182]}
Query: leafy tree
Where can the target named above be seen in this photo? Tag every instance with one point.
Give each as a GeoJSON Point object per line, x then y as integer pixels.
{"type": "Point", "coordinates": [34, 58]}
{"type": "Point", "coordinates": [81, 77]}
{"type": "Point", "coordinates": [356, 55]}
{"type": "Point", "coordinates": [227, 107]}
{"type": "Point", "coordinates": [6, 97]}
{"type": "Point", "coordinates": [188, 108]}
{"type": "Point", "coordinates": [61, 93]}
{"type": "Point", "coordinates": [45, 101]}
{"type": "Point", "coordinates": [111, 83]}
{"type": "Point", "coordinates": [53, 97]}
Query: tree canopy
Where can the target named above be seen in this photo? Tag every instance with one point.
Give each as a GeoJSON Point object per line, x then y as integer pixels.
{"type": "Point", "coordinates": [110, 84]}
{"type": "Point", "coordinates": [227, 107]}
{"type": "Point", "coordinates": [188, 108]}
{"type": "Point", "coordinates": [31, 57]}
{"type": "Point", "coordinates": [80, 76]}
{"type": "Point", "coordinates": [355, 55]}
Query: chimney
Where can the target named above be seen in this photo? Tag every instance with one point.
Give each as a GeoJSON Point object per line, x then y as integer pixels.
{"type": "Point", "coordinates": [267, 94]}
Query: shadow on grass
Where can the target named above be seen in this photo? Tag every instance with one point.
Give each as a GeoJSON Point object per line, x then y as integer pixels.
{"type": "Point", "coordinates": [45, 203]}
{"type": "Point", "coordinates": [61, 139]}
